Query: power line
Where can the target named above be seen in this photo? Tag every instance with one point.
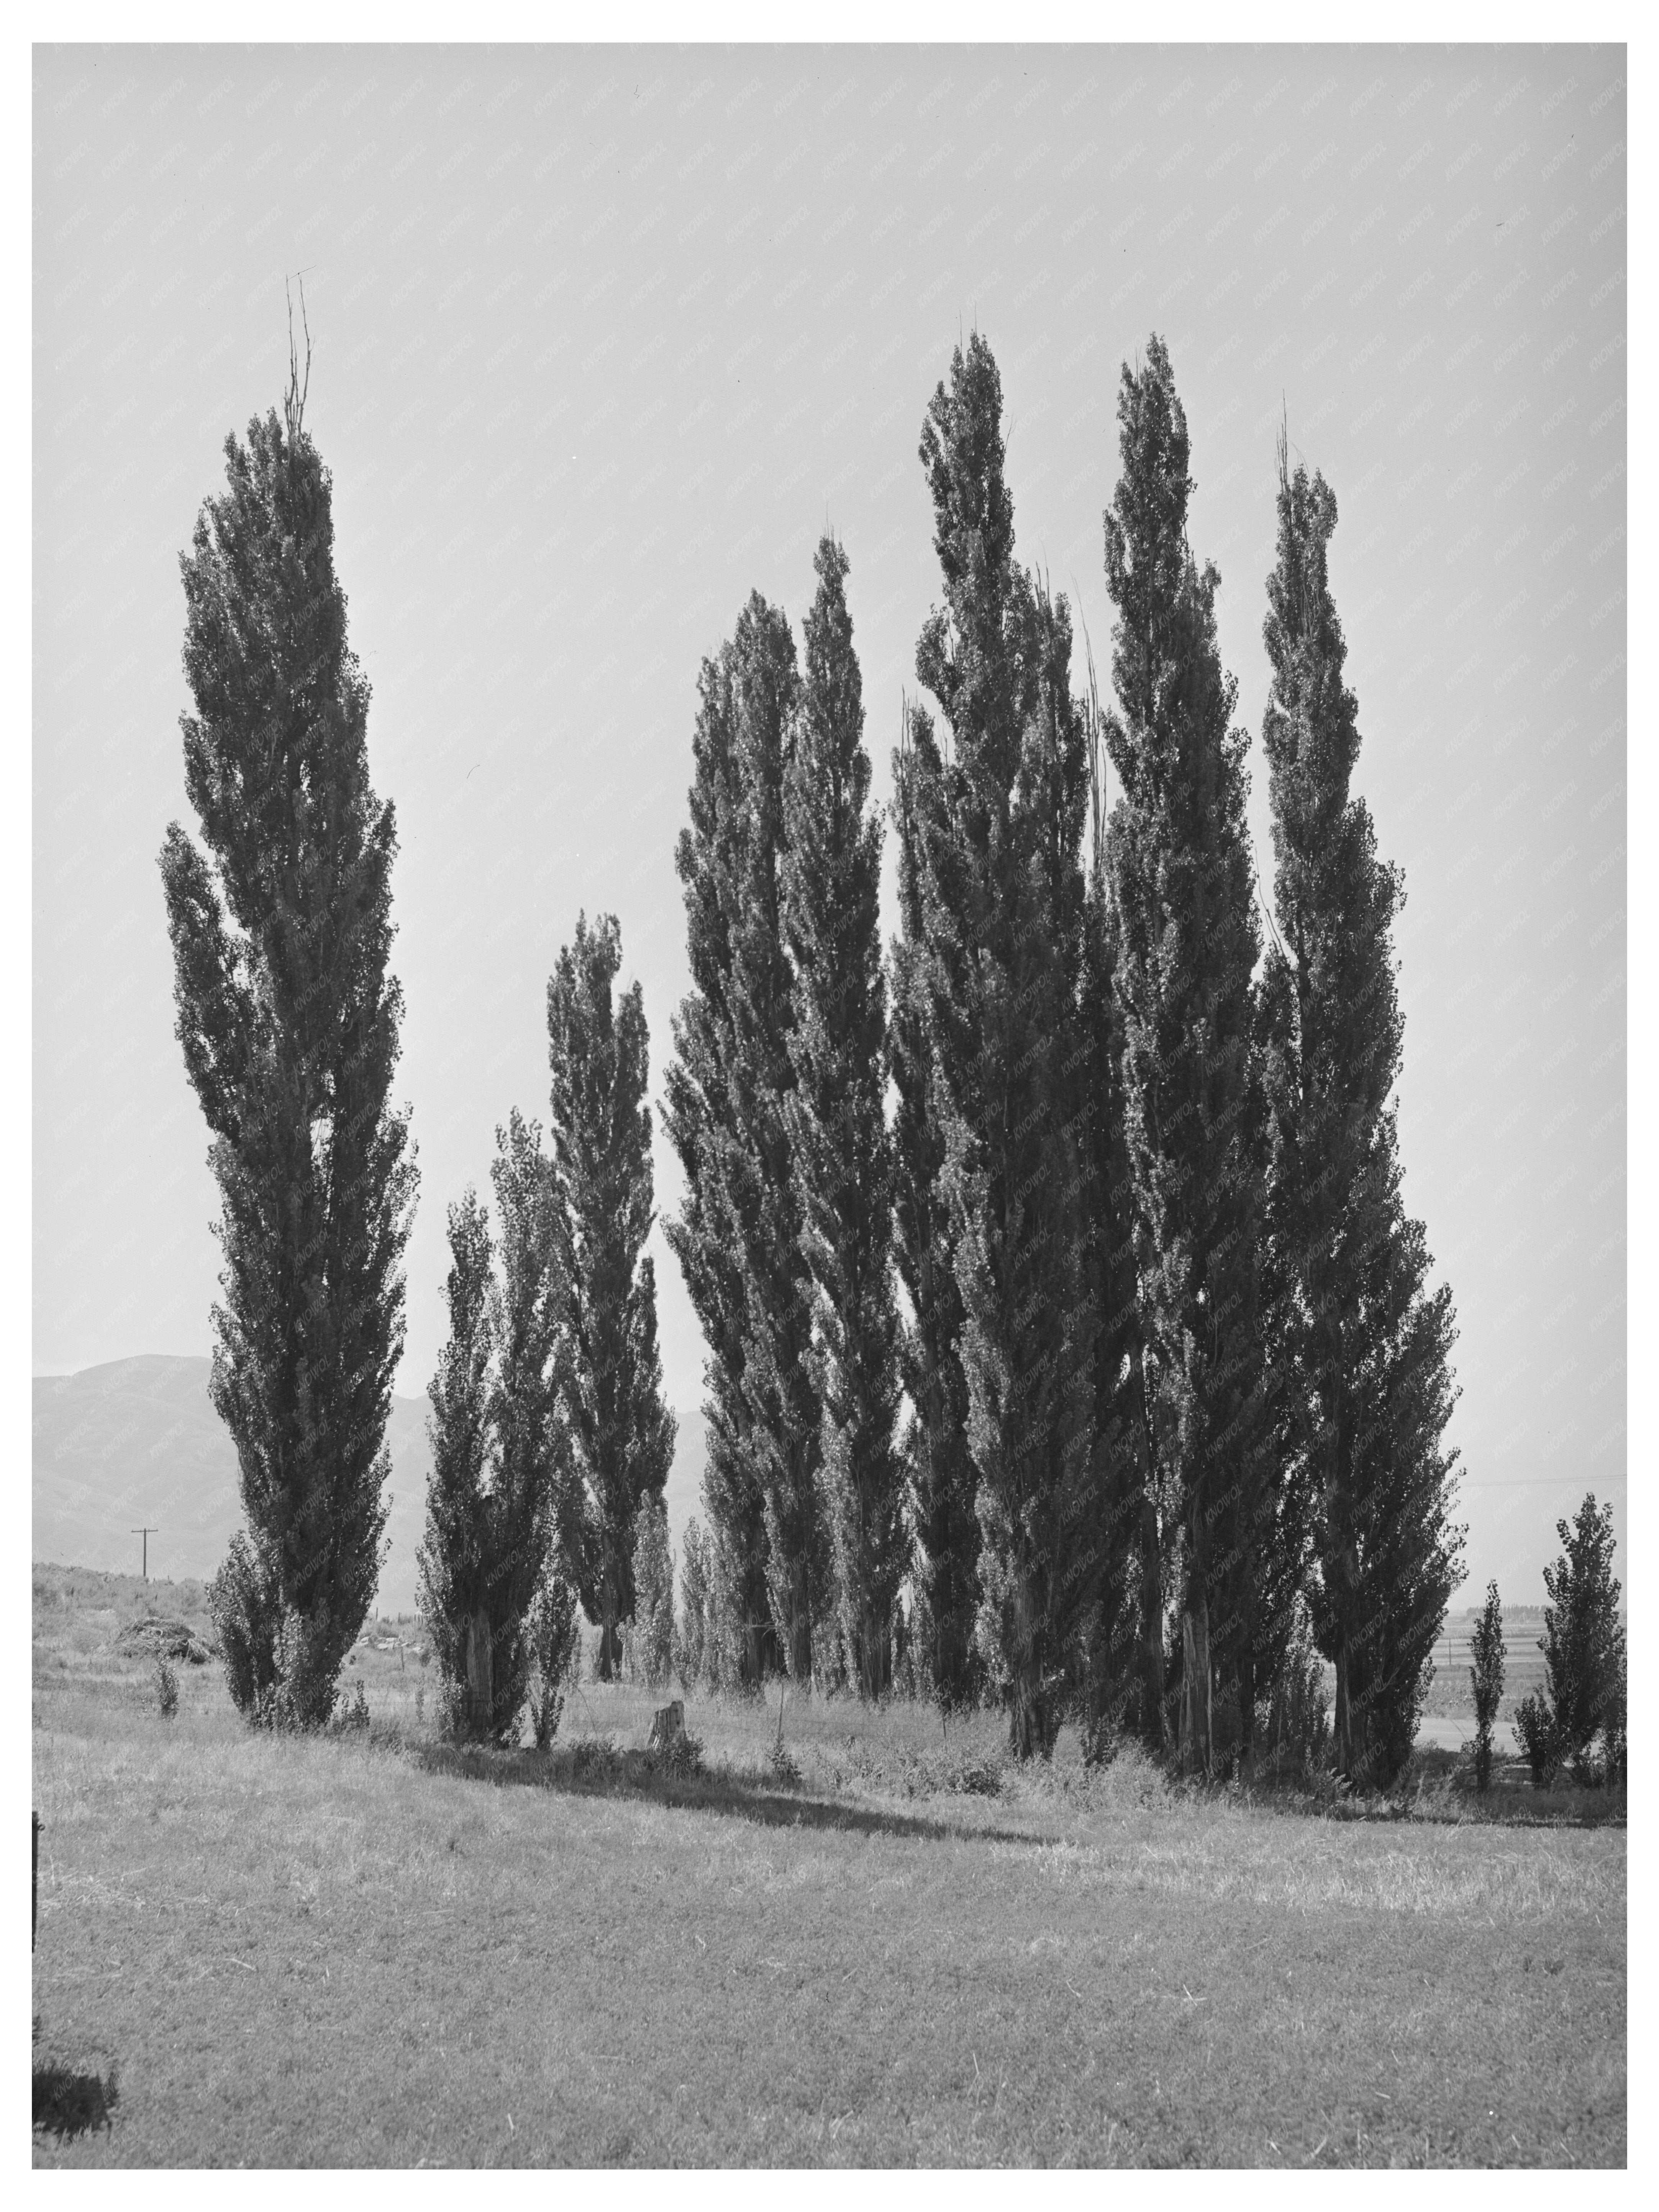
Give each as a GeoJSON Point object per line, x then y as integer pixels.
{"type": "Point", "coordinates": [146, 1534]}
{"type": "Point", "coordinates": [1520, 1482]}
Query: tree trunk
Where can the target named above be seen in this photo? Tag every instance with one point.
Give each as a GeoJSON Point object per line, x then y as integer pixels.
{"type": "Point", "coordinates": [1029, 1721]}
{"type": "Point", "coordinates": [754, 1651]}
{"type": "Point", "coordinates": [1026, 1717]}
{"type": "Point", "coordinates": [480, 1687]}
{"type": "Point", "coordinates": [1347, 1749]}
{"type": "Point", "coordinates": [1195, 1680]}
{"type": "Point", "coordinates": [1247, 1713]}
{"type": "Point", "coordinates": [1344, 1712]}
{"type": "Point", "coordinates": [610, 1638]}
{"type": "Point", "coordinates": [947, 1656]}
{"type": "Point", "coordinates": [1154, 1720]}
{"type": "Point", "coordinates": [1022, 1720]}
{"type": "Point", "coordinates": [874, 1654]}
{"type": "Point", "coordinates": [800, 1627]}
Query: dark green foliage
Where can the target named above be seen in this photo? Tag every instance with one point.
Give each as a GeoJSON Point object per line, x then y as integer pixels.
{"type": "Point", "coordinates": [621, 1431]}
{"type": "Point", "coordinates": [738, 1237]}
{"type": "Point", "coordinates": [651, 1637]}
{"type": "Point", "coordinates": [945, 1527]}
{"type": "Point", "coordinates": [531, 1480]}
{"type": "Point", "coordinates": [1583, 1643]}
{"type": "Point", "coordinates": [1178, 860]}
{"type": "Point", "coordinates": [1534, 1724]}
{"type": "Point", "coordinates": [1298, 1716]}
{"type": "Point", "coordinates": [289, 1022]}
{"type": "Point", "coordinates": [1124, 1678]}
{"type": "Point", "coordinates": [1615, 1721]}
{"type": "Point", "coordinates": [785, 1435]}
{"type": "Point", "coordinates": [1486, 1681]}
{"type": "Point", "coordinates": [1365, 1348]}
{"type": "Point", "coordinates": [705, 1238]}
{"type": "Point", "coordinates": [684, 1757]}
{"type": "Point", "coordinates": [245, 1609]}
{"type": "Point", "coordinates": [840, 1153]}
{"type": "Point", "coordinates": [999, 820]}
{"type": "Point", "coordinates": [451, 1557]}
{"type": "Point", "coordinates": [1405, 1556]}
{"type": "Point", "coordinates": [499, 1456]}
{"type": "Point", "coordinates": [1286, 1561]}
{"type": "Point", "coordinates": [694, 1640]}
{"type": "Point", "coordinates": [555, 1640]}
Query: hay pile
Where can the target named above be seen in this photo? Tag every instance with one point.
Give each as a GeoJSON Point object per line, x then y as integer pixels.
{"type": "Point", "coordinates": [155, 1638]}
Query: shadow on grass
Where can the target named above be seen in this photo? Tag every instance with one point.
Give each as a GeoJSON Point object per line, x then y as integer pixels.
{"type": "Point", "coordinates": [1434, 1790]}
{"type": "Point", "coordinates": [67, 2103]}
{"type": "Point", "coordinates": [1437, 1787]}
{"type": "Point", "coordinates": [633, 1774]}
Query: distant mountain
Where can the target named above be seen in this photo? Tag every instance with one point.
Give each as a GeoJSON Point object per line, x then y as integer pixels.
{"type": "Point", "coordinates": [137, 1441]}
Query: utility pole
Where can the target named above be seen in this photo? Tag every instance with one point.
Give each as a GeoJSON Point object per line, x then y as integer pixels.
{"type": "Point", "coordinates": [146, 1534]}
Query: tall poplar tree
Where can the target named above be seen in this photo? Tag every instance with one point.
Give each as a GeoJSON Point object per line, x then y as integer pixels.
{"type": "Point", "coordinates": [785, 1435]}
{"type": "Point", "coordinates": [1182, 883]}
{"type": "Point", "coordinates": [694, 1659]}
{"type": "Point", "coordinates": [707, 1236]}
{"type": "Point", "coordinates": [289, 1020]}
{"type": "Point", "coordinates": [622, 1433]}
{"type": "Point", "coordinates": [530, 1489]}
{"type": "Point", "coordinates": [499, 1475]}
{"type": "Point", "coordinates": [651, 1637]}
{"type": "Point", "coordinates": [1487, 1650]}
{"type": "Point", "coordinates": [1583, 1642]}
{"type": "Point", "coordinates": [941, 1478]}
{"type": "Point", "coordinates": [739, 1236]}
{"type": "Point", "coordinates": [1368, 1343]}
{"type": "Point", "coordinates": [1001, 824]}
{"type": "Point", "coordinates": [836, 1124]}
{"type": "Point", "coordinates": [453, 1552]}
{"type": "Point", "coordinates": [1125, 1671]}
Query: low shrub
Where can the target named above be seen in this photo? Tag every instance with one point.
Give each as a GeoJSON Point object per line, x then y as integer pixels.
{"type": "Point", "coordinates": [1534, 1724]}
{"type": "Point", "coordinates": [780, 1765]}
{"type": "Point", "coordinates": [684, 1757]}
{"type": "Point", "coordinates": [595, 1758]}
{"type": "Point", "coordinates": [167, 1689]}
{"type": "Point", "coordinates": [979, 1779]}
{"type": "Point", "coordinates": [346, 1716]}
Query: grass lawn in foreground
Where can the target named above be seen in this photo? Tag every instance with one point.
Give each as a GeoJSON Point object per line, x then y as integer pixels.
{"type": "Point", "coordinates": [364, 1950]}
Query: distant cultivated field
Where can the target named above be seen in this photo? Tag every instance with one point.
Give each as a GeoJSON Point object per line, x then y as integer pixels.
{"type": "Point", "coordinates": [1452, 1690]}
{"type": "Point", "coordinates": [366, 1950]}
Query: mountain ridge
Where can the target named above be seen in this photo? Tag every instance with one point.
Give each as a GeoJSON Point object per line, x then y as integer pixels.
{"type": "Point", "coordinates": [136, 1441]}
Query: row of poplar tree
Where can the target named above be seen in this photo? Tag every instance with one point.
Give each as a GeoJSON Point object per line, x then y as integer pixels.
{"type": "Point", "coordinates": [1167, 1372]}
{"type": "Point", "coordinates": [1091, 1380]}
{"type": "Point", "coordinates": [547, 1424]}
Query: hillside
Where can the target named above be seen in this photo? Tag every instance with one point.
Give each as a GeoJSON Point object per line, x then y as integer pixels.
{"type": "Point", "coordinates": [136, 1441]}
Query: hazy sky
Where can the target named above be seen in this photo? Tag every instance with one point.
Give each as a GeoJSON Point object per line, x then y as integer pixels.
{"type": "Point", "coordinates": [602, 339]}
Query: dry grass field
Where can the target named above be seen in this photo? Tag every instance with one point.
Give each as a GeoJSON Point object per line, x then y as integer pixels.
{"type": "Point", "coordinates": [368, 1949]}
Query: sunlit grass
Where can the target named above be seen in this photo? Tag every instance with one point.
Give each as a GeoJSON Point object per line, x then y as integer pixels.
{"type": "Point", "coordinates": [369, 1948]}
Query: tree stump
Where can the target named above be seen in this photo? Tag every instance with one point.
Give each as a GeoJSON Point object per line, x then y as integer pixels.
{"type": "Point", "coordinates": [667, 1728]}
